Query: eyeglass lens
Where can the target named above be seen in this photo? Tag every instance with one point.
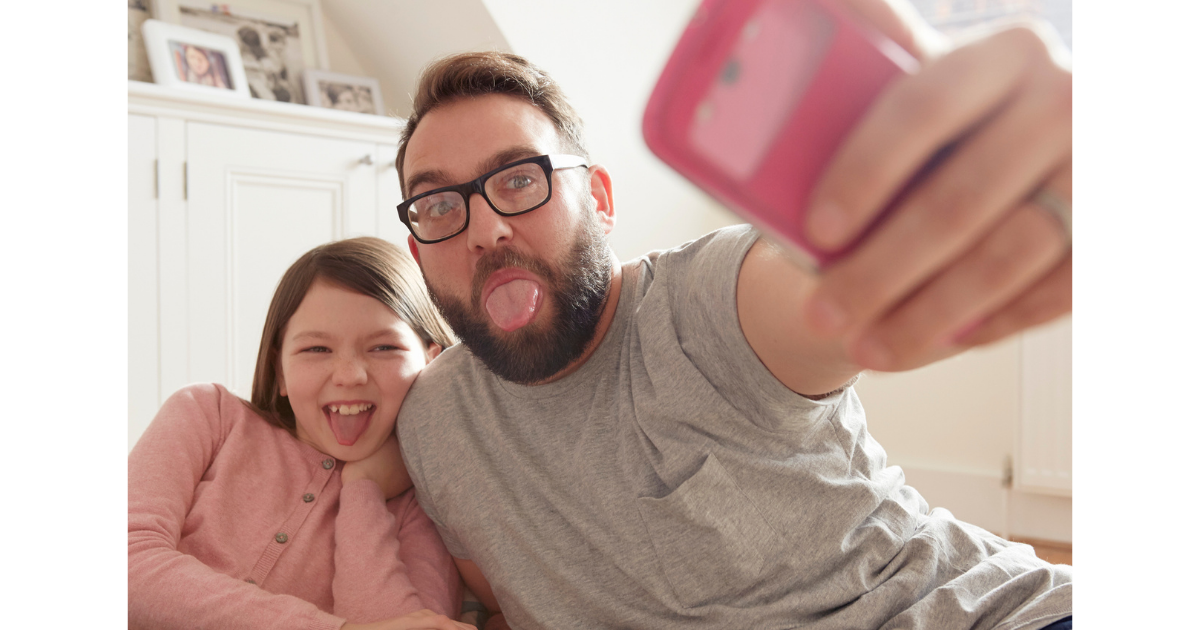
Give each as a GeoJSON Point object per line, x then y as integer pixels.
{"type": "Point", "coordinates": [511, 191]}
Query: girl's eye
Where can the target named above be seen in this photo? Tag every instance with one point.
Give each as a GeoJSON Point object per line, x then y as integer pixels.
{"type": "Point", "coordinates": [316, 349]}
{"type": "Point", "coordinates": [386, 347]}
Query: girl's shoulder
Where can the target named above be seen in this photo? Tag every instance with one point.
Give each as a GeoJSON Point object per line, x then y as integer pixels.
{"type": "Point", "coordinates": [210, 403]}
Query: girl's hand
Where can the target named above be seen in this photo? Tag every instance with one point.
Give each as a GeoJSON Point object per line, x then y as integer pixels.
{"type": "Point", "coordinates": [385, 467]}
{"type": "Point", "coordinates": [420, 620]}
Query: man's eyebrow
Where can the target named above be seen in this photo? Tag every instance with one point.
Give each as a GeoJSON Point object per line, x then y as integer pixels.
{"type": "Point", "coordinates": [441, 178]}
{"type": "Point", "coordinates": [507, 155]}
{"type": "Point", "coordinates": [435, 176]}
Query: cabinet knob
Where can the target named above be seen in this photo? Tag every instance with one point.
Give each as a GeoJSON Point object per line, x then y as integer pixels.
{"type": "Point", "coordinates": [366, 160]}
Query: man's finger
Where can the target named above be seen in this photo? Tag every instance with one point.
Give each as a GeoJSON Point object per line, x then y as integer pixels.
{"type": "Point", "coordinates": [1049, 299]}
{"type": "Point", "coordinates": [908, 124]}
{"type": "Point", "coordinates": [1024, 247]}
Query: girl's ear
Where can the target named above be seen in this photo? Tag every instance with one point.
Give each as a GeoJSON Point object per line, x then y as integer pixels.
{"type": "Point", "coordinates": [432, 351]}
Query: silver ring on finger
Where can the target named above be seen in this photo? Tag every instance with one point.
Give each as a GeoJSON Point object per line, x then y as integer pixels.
{"type": "Point", "coordinates": [1056, 207]}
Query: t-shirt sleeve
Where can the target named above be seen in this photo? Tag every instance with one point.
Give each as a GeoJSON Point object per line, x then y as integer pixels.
{"type": "Point", "coordinates": [409, 432]}
{"type": "Point", "coordinates": [701, 278]}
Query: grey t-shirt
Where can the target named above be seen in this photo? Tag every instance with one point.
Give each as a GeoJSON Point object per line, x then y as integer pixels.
{"type": "Point", "coordinates": [673, 482]}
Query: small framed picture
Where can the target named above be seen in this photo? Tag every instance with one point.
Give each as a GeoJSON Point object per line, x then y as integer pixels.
{"type": "Point", "coordinates": [190, 59]}
{"type": "Point", "coordinates": [343, 91]}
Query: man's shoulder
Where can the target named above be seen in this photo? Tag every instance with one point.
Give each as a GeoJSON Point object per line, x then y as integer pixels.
{"type": "Point", "coordinates": [445, 392]}
{"type": "Point", "coordinates": [720, 246]}
{"type": "Point", "coordinates": [448, 372]}
{"type": "Point", "coordinates": [718, 239]}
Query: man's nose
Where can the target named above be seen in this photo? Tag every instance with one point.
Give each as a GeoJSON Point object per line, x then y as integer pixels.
{"type": "Point", "coordinates": [487, 228]}
{"type": "Point", "coordinates": [350, 370]}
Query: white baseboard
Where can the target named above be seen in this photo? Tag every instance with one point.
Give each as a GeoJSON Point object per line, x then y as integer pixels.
{"type": "Point", "coordinates": [980, 499]}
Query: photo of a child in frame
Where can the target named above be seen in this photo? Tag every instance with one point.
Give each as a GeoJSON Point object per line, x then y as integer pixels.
{"type": "Point", "coordinates": [344, 96]}
{"type": "Point", "coordinates": [204, 66]}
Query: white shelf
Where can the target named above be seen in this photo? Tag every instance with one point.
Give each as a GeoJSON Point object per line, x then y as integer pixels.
{"type": "Point", "coordinates": [155, 100]}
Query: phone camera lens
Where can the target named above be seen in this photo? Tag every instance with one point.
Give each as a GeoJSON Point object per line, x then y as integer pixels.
{"type": "Point", "coordinates": [731, 71]}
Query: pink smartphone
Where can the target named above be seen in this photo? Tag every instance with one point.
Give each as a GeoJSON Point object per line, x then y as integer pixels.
{"type": "Point", "coordinates": [755, 100]}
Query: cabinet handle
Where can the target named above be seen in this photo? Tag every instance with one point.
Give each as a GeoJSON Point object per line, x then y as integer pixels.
{"type": "Point", "coordinates": [366, 160]}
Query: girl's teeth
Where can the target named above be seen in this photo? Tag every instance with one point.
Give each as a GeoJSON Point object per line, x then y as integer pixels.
{"type": "Point", "coordinates": [350, 409]}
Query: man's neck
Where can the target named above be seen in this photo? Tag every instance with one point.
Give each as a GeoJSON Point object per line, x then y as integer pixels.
{"type": "Point", "coordinates": [606, 318]}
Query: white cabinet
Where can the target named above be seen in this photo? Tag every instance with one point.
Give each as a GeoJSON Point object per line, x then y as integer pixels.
{"type": "Point", "coordinates": [224, 195]}
{"type": "Point", "coordinates": [143, 276]}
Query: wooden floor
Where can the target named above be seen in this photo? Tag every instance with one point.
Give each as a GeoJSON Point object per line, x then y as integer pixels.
{"type": "Point", "coordinates": [1050, 551]}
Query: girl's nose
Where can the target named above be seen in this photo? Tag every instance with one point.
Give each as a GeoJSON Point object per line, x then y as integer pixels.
{"type": "Point", "coordinates": [350, 371]}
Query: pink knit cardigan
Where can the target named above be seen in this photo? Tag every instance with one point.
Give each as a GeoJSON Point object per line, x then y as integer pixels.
{"type": "Point", "coordinates": [234, 523]}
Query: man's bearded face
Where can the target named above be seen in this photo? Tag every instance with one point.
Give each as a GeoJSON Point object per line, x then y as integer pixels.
{"type": "Point", "coordinates": [576, 288]}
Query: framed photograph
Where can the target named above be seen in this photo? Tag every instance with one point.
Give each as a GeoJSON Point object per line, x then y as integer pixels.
{"type": "Point", "coordinates": [190, 59]}
{"type": "Point", "coordinates": [278, 39]}
{"type": "Point", "coordinates": [343, 91]}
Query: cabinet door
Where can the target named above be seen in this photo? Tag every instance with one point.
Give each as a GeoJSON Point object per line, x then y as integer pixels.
{"type": "Point", "coordinates": [387, 188]}
{"type": "Point", "coordinates": [257, 200]}
{"type": "Point", "coordinates": [143, 275]}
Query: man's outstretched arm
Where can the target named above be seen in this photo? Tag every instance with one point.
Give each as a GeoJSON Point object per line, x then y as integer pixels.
{"type": "Point", "coordinates": [980, 249]}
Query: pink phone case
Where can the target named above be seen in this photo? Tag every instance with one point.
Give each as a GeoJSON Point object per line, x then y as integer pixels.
{"type": "Point", "coordinates": [755, 100]}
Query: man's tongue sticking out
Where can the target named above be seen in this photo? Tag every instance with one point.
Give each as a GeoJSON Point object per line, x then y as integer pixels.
{"type": "Point", "coordinates": [347, 428]}
{"type": "Point", "coordinates": [514, 303]}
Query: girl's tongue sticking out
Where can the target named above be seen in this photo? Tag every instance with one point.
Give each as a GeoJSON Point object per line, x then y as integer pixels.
{"type": "Point", "coordinates": [349, 422]}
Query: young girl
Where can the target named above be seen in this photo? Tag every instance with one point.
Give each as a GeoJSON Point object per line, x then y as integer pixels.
{"type": "Point", "coordinates": [292, 510]}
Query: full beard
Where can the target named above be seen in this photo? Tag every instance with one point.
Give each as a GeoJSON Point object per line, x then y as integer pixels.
{"type": "Point", "coordinates": [577, 288]}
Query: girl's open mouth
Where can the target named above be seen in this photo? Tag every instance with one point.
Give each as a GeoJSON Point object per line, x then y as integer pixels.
{"type": "Point", "coordinates": [349, 421]}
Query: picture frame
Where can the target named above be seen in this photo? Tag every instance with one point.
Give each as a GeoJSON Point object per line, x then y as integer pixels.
{"type": "Point", "coordinates": [279, 39]}
{"type": "Point", "coordinates": [194, 60]}
{"type": "Point", "coordinates": [347, 92]}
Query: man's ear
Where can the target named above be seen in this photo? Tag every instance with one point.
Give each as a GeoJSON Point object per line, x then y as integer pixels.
{"type": "Point", "coordinates": [602, 193]}
{"type": "Point", "coordinates": [412, 249]}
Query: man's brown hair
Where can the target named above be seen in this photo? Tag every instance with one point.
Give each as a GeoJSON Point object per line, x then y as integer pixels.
{"type": "Point", "coordinates": [367, 265]}
{"type": "Point", "coordinates": [480, 73]}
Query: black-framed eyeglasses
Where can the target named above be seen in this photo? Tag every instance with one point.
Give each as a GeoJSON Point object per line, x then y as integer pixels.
{"type": "Point", "coordinates": [512, 189]}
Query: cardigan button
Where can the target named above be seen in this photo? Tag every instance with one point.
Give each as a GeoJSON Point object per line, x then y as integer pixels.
{"type": "Point", "coordinates": [308, 497]}
{"type": "Point", "coordinates": [327, 464]}
{"type": "Point", "coordinates": [281, 537]}
{"type": "Point", "coordinates": [250, 581]}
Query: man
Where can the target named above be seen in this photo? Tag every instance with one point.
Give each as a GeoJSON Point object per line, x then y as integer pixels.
{"type": "Point", "coordinates": [674, 442]}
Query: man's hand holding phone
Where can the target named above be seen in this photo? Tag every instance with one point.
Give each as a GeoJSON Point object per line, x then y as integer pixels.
{"type": "Point", "coordinates": [980, 247]}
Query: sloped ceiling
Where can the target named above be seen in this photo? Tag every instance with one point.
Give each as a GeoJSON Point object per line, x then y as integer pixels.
{"type": "Point", "coordinates": [394, 39]}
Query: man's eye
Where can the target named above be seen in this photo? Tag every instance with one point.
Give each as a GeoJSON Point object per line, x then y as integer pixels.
{"type": "Point", "coordinates": [440, 209]}
{"type": "Point", "coordinates": [519, 181]}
